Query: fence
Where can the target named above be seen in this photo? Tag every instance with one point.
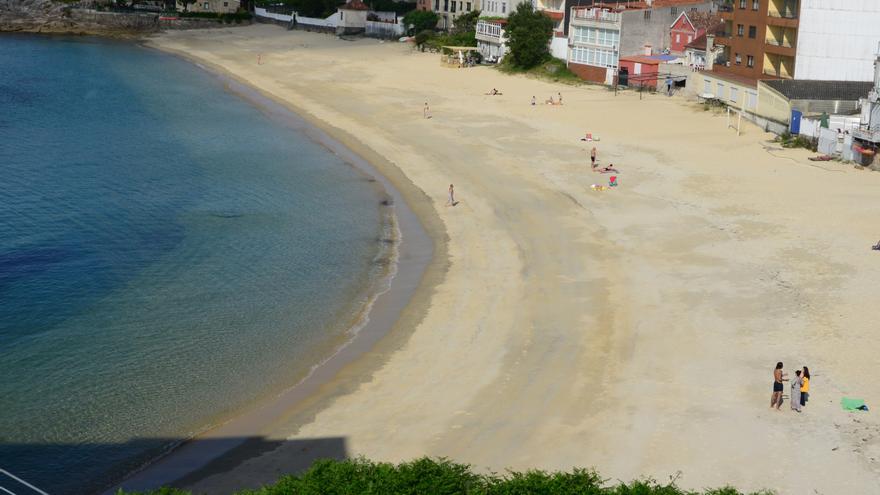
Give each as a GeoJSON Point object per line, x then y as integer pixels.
{"type": "Point", "coordinates": [305, 22]}
{"type": "Point", "coordinates": [380, 29]}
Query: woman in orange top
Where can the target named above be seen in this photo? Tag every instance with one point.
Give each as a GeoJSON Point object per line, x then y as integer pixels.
{"type": "Point", "coordinates": [805, 387]}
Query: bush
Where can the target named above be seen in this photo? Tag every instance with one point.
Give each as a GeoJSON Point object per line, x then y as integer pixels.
{"type": "Point", "coordinates": [441, 477]}
{"type": "Point", "coordinates": [529, 33]}
{"type": "Point", "coordinates": [421, 20]}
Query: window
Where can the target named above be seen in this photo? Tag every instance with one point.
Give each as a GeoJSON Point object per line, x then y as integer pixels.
{"type": "Point", "coordinates": [453, 6]}
{"type": "Point", "coordinates": [468, 6]}
{"type": "Point", "coordinates": [596, 36]}
{"type": "Point", "coordinates": [756, 4]}
{"type": "Point", "coordinates": [707, 86]}
{"type": "Point", "coordinates": [207, 5]}
{"type": "Point", "coordinates": [673, 11]}
{"type": "Point", "coordinates": [677, 38]}
{"type": "Point", "coordinates": [647, 14]}
{"type": "Point", "coordinates": [734, 93]}
{"type": "Point", "coordinates": [751, 100]}
{"type": "Point", "coordinates": [742, 4]}
{"type": "Point", "coordinates": [593, 56]}
{"type": "Point", "coordinates": [445, 5]}
{"type": "Point", "coordinates": [436, 5]}
{"type": "Point", "coordinates": [226, 4]}
{"type": "Point", "coordinates": [720, 93]}
{"type": "Point", "coordinates": [690, 38]}
{"type": "Point", "coordinates": [753, 32]}
{"type": "Point", "coordinates": [740, 29]}
{"type": "Point", "coordinates": [503, 7]}
{"type": "Point", "coordinates": [738, 59]}
{"type": "Point", "coordinates": [750, 60]}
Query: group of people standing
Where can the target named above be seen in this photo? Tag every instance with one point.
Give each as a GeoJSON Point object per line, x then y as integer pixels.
{"type": "Point", "coordinates": [800, 388]}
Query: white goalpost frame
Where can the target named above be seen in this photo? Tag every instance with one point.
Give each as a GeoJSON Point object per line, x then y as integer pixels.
{"type": "Point", "coordinates": [739, 119]}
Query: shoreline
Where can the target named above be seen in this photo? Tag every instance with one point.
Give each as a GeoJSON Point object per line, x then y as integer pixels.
{"type": "Point", "coordinates": [396, 300]}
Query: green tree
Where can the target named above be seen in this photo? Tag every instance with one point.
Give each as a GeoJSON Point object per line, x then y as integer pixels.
{"type": "Point", "coordinates": [529, 34]}
{"type": "Point", "coordinates": [421, 20]}
{"type": "Point", "coordinates": [466, 23]}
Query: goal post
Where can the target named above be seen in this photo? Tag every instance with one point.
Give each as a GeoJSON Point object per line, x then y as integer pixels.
{"type": "Point", "coordinates": [735, 122]}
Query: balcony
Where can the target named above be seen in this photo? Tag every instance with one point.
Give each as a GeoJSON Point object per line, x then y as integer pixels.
{"type": "Point", "coordinates": [594, 17]}
{"type": "Point", "coordinates": [776, 47]}
{"type": "Point", "coordinates": [783, 13]}
{"type": "Point", "coordinates": [489, 31]}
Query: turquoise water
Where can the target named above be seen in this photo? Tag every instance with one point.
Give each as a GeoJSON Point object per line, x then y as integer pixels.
{"type": "Point", "coordinates": [168, 254]}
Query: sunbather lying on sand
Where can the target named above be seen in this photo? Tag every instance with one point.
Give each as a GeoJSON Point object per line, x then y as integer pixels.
{"type": "Point", "coordinates": [608, 169]}
{"type": "Point", "coordinates": [494, 92]}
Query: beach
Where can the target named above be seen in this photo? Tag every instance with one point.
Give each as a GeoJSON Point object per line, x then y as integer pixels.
{"type": "Point", "coordinates": [633, 329]}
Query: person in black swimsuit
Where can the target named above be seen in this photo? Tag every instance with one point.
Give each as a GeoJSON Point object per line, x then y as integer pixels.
{"type": "Point", "coordinates": [778, 378]}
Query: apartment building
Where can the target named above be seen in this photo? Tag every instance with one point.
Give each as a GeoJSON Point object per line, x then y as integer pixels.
{"type": "Point", "coordinates": [837, 40]}
{"type": "Point", "coordinates": [759, 39]}
{"type": "Point", "coordinates": [600, 34]}
{"type": "Point", "coordinates": [448, 10]}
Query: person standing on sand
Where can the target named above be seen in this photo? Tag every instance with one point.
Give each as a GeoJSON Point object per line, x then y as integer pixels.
{"type": "Point", "coordinates": [533, 104]}
{"type": "Point", "coordinates": [778, 378]}
{"type": "Point", "coordinates": [805, 386]}
{"type": "Point", "coordinates": [593, 158]}
{"type": "Point", "coordinates": [427, 111]}
{"type": "Point", "coordinates": [451, 200]}
{"type": "Point", "coordinates": [560, 98]}
{"type": "Point", "coordinates": [796, 392]}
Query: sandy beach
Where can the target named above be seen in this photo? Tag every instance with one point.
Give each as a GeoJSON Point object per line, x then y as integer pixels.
{"type": "Point", "coordinates": [633, 330]}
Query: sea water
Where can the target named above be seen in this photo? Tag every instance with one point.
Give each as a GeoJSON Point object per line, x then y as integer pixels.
{"type": "Point", "coordinates": [169, 254]}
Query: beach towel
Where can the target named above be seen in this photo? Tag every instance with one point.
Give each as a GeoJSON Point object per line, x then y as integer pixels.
{"type": "Point", "coordinates": [853, 404]}
{"type": "Point", "coordinates": [597, 187]}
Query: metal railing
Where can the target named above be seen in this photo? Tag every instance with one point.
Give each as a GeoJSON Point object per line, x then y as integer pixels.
{"type": "Point", "coordinates": [595, 15]}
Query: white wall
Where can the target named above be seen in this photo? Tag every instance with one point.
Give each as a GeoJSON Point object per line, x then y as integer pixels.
{"type": "Point", "coordinates": [837, 40]}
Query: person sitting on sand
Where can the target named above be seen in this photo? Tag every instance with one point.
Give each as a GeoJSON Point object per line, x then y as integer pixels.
{"type": "Point", "coordinates": [550, 101]}
{"type": "Point", "coordinates": [533, 101]}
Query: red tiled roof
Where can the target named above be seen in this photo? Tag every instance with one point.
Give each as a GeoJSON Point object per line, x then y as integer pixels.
{"type": "Point", "coordinates": [642, 59]}
{"type": "Point", "coordinates": [699, 42]}
{"type": "Point", "coordinates": [354, 5]}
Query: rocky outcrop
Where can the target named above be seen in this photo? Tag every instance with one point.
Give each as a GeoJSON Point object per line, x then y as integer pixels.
{"type": "Point", "coordinates": [49, 16]}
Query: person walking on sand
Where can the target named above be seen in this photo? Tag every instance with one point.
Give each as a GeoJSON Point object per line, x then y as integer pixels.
{"type": "Point", "coordinates": [805, 386]}
{"type": "Point", "coordinates": [593, 158]}
{"type": "Point", "coordinates": [426, 112]}
{"type": "Point", "coordinates": [778, 378]}
{"type": "Point", "coordinates": [451, 200]}
{"type": "Point", "coordinates": [560, 98]}
{"type": "Point", "coordinates": [796, 391]}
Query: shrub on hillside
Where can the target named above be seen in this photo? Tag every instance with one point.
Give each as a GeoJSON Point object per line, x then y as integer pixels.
{"type": "Point", "coordinates": [444, 477]}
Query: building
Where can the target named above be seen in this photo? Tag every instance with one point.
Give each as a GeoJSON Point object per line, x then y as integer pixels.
{"type": "Point", "coordinates": [837, 40]}
{"type": "Point", "coordinates": [779, 97]}
{"type": "Point", "coordinates": [599, 34]}
{"type": "Point", "coordinates": [491, 41]}
{"type": "Point", "coordinates": [555, 10]}
{"type": "Point", "coordinates": [695, 55]}
{"type": "Point", "coordinates": [352, 17]}
{"type": "Point", "coordinates": [683, 32]}
{"type": "Point", "coordinates": [634, 66]}
{"type": "Point", "coordinates": [448, 10]}
{"type": "Point", "coordinates": [216, 6]}
{"type": "Point", "coordinates": [759, 39]}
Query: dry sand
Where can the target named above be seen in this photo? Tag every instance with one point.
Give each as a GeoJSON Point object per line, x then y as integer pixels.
{"type": "Point", "coordinates": [633, 330]}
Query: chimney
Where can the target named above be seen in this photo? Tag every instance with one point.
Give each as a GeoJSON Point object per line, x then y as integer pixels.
{"type": "Point", "coordinates": [648, 49]}
{"type": "Point", "coordinates": [710, 49]}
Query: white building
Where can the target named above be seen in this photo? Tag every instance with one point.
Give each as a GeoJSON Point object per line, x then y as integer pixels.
{"type": "Point", "coordinates": [837, 40]}
{"type": "Point", "coordinates": [594, 41]}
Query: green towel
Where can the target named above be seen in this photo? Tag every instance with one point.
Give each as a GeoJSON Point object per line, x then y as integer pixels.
{"type": "Point", "coordinates": [851, 404]}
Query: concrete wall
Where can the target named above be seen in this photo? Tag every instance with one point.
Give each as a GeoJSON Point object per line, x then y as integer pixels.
{"type": "Point", "coordinates": [637, 30]}
{"type": "Point", "coordinates": [837, 40]}
{"type": "Point", "coordinates": [589, 72]}
{"type": "Point", "coordinates": [772, 105]}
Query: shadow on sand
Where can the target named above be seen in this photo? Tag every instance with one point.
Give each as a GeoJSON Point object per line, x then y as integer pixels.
{"type": "Point", "coordinates": [106, 467]}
